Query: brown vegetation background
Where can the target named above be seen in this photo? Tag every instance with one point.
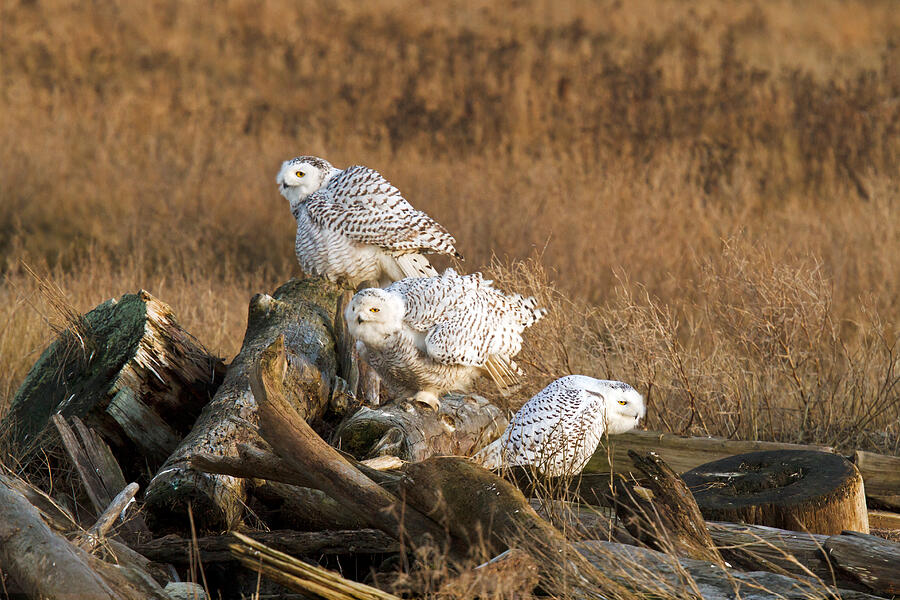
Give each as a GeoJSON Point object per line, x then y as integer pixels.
{"type": "Point", "coordinates": [706, 193]}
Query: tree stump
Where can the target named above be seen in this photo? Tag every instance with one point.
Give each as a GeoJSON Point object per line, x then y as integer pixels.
{"type": "Point", "coordinates": [412, 432]}
{"type": "Point", "coordinates": [799, 490]}
{"type": "Point", "coordinates": [129, 371]}
{"type": "Point", "coordinates": [300, 311]}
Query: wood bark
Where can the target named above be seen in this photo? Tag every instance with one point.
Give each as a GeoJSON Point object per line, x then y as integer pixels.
{"type": "Point", "coordinates": [799, 490]}
{"type": "Point", "coordinates": [649, 573]}
{"type": "Point", "coordinates": [663, 514]}
{"type": "Point", "coordinates": [324, 467]}
{"type": "Point", "coordinates": [413, 432]}
{"type": "Point", "coordinates": [300, 311]}
{"type": "Point", "coordinates": [129, 371]}
{"type": "Point", "coordinates": [99, 472]}
{"type": "Point", "coordinates": [214, 549]}
{"type": "Point", "coordinates": [286, 506]}
{"type": "Point", "coordinates": [871, 560]}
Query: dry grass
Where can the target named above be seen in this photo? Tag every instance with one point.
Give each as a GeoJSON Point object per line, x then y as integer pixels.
{"type": "Point", "coordinates": [619, 142]}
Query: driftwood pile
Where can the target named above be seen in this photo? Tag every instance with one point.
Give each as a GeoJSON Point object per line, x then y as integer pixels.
{"type": "Point", "coordinates": [141, 467]}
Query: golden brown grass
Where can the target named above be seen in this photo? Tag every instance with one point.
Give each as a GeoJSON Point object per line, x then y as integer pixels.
{"type": "Point", "coordinates": [713, 187]}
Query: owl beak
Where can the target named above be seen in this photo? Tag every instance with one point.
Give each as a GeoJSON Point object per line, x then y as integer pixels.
{"type": "Point", "coordinates": [359, 320]}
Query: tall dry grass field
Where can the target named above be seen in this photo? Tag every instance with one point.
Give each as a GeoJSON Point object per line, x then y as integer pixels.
{"type": "Point", "coordinates": [707, 192]}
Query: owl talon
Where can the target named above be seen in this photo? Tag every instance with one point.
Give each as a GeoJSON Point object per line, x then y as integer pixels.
{"type": "Point", "coordinates": [428, 399]}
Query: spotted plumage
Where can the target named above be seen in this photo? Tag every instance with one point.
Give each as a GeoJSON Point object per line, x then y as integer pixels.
{"type": "Point", "coordinates": [558, 430]}
{"type": "Point", "coordinates": [353, 225]}
{"type": "Point", "coordinates": [430, 335]}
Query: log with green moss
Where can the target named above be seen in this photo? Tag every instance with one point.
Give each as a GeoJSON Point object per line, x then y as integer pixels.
{"type": "Point", "coordinates": [129, 371]}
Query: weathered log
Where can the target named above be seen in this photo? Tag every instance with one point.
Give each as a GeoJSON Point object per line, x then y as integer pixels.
{"type": "Point", "coordinates": [476, 506]}
{"type": "Point", "coordinates": [882, 478]}
{"type": "Point", "coordinates": [57, 517]}
{"type": "Point", "coordinates": [413, 432]}
{"type": "Point", "coordinates": [882, 519]}
{"type": "Point", "coordinates": [681, 453]}
{"type": "Point", "coordinates": [130, 371]}
{"type": "Point", "coordinates": [300, 508]}
{"type": "Point", "coordinates": [300, 311]}
{"type": "Point", "coordinates": [214, 548]}
{"type": "Point", "coordinates": [800, 490]}
{"type": "Point", "coordinates": [791, 553]}
{"type": "Point", "coordinates": [663, 514]}
{"type": "Point", "coordinates": [45, 565]}
{"type": "Point", "coordinates": [648, 573]}
{"type": "Point", "coordinates": [257, 463]}
{"type": "Point", "coordinates": [42, 562]}
{"type": "Point", "coordinates": [850, 560]}
{"type": "Point", "coordinates": [323, 466]}
{"type": "Point", "coordinates": [99, 471]}
{"type": "Point", "coordinates": [490, 515]}
{"type": "Point", "coordinates": [871, 560]}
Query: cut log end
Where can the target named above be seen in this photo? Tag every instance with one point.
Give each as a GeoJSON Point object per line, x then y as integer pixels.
{"type": "Point", "coordinates": [797, 490]}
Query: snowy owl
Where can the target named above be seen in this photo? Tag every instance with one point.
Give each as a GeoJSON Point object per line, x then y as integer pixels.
{"type": "Point", "coordinates": [558, 430]}
{"type": "Point", "coordinates": [354, 225]}
{"type": "Point", "coordinates": [429, 335]}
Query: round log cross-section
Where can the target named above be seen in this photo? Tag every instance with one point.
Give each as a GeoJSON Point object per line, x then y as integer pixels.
{"type": "Point", "coordinates": [800, 490]}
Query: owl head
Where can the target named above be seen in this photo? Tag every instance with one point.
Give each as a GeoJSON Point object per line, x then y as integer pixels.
{"type": "Point", "coordinates": [374, 314]}
{"type": "Point", "coordinates": [299, 177]}
{"type": "Point", "coordinates": [623, 406]}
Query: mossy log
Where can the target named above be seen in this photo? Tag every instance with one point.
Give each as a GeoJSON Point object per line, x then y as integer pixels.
{"type": "Point", "coordinates": [301, 312]}
{"type": "Point", "coordinates": [129, 371]}
{"type": "Point", "coordinates": [414, 432]}
{"type": "Point", "coordinates": [799, 490]}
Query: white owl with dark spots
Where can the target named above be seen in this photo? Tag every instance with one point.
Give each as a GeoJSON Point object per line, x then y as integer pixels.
{"type": "Point", "coordinates": [430, 335]}
{"type": "Point", "coordinates": [353, 225]}
{"type": "Point", "coordinates": [558, 430]}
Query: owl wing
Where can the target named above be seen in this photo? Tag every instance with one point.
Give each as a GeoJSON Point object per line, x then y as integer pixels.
{"type": "Point", "coordinates": [478, 336]}
{"type": "Point", "coordinates": [551, 427]}
{"type": "Point", "coordinates": [361, 204]}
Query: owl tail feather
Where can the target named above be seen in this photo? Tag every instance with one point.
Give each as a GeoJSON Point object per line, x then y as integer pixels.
{"type": "Point", "coordinates": [415, 265]}
{"type": "Point", "coordinates": [489, 457]}
{"type": "Point", "coordinates": [505, 373]}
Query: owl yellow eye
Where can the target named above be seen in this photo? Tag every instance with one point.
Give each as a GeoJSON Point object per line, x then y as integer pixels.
{"type": "Point", "coordinates": [623, 402]}
{"type": "Point", "coordinates": [373, 309]}
{"type": "Point", "coordinates": [299, 173]}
